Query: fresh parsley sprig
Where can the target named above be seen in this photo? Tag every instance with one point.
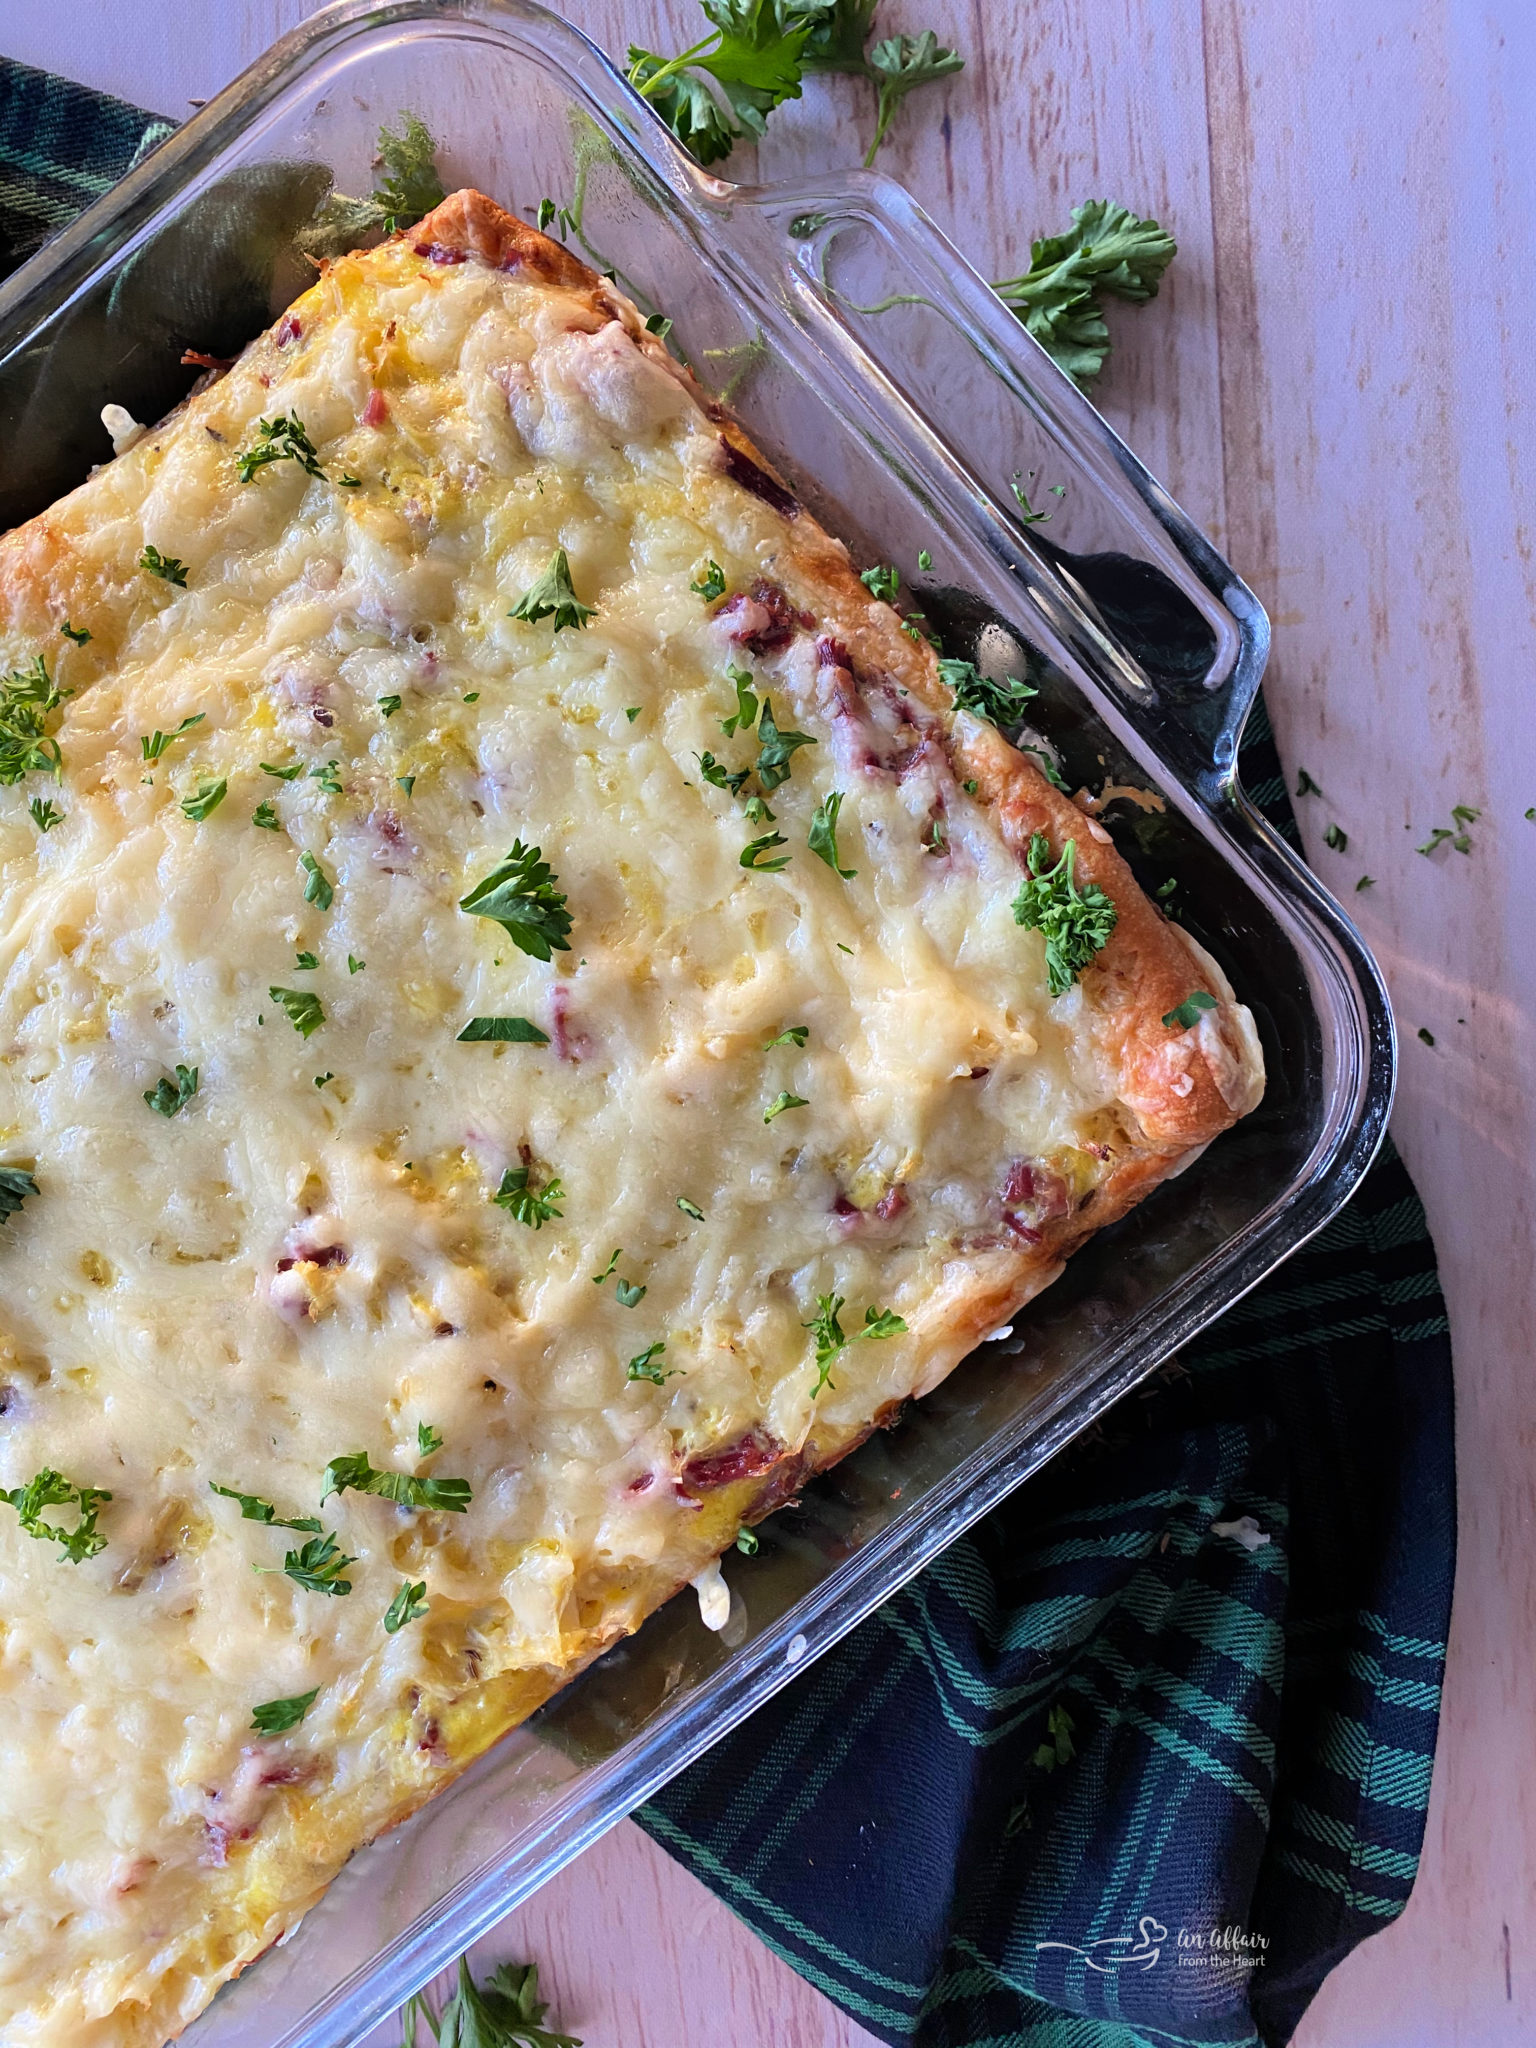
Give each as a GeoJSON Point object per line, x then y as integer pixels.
{"type": "Point", "coordinates": [525, 1203]}
{"type": "Point", "coordinates": [304, 1010]}
{"type": "Point", "coordinates": [352, 1472]}
{"type": "Point", "coordinates": [553, 597]}
{"type": "Point", "coordinates": [15, 1186]}
{"type": "Point", "coordinates": [28, 700]}
{"type": "Point", "coordinates": [285, 439]}
{"type": "Point", "coordinates": [726, 85]}
{"type": "Point", "coordinates": [254, 1509]}
{"type": "Point", "coordinates": [520, 895]}
{"type": "Point", "coordinates": [50, 1489]}
{"type": "Point", "coordinates": [317, 1566]}
{"type": "Point", "coordinates": [831, 1338]}
{"type": "Point", "coordinates": [823, 834]}
{"type": "Point", "coordinates": [167, 567]}
{"type": "Point", "coordinates": [505, 2012]}
{"type": "Point", "coordinates": [1075, 923]}
{"type": "Point", "coordinates": [999, 703]}
{"type": "Point", "coordinates": [1107, 252]}
{"type": "Point", "coordinates": [168, 1097]}
{"type": "Point", "coordinates": [899, 65]}
{"type": "Point", "coordinates": [409, 1604]}
{"type": "Point", "coordinates": [152, 745]}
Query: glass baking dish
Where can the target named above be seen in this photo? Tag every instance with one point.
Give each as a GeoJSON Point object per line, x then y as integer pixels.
{"type": "Point", "coordinates": [904, 402]}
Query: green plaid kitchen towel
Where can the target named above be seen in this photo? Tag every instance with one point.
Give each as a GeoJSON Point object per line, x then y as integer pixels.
{"type": "Point", "coordinates": [1144, 1755]}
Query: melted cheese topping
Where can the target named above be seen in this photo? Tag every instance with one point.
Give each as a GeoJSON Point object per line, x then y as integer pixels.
{"type": "Point", "coordinates": [286, 1271]}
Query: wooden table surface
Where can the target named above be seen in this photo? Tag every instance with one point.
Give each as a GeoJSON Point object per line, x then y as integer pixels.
{"type": "Point", "coordinates": [1337, 382]}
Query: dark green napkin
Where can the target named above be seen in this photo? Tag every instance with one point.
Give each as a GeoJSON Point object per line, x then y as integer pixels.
{"type": "Point", "coordinates": [1114, 1771]}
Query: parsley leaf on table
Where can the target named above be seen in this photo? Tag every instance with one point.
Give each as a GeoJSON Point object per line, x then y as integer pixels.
{"type": "Point", "coordinates": [1106, 251]}
{"type": "Point", "coordinates": [505, 2012]}
{"type": "Point", "coordinates": [900, 65]}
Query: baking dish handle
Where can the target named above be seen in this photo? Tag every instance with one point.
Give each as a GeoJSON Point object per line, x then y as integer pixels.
{"type": "Point", "coordinates": [885, 299]}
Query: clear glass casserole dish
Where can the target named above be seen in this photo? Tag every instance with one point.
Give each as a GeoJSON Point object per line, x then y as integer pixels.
{"type": "Point", "coordinates": [903, 401]}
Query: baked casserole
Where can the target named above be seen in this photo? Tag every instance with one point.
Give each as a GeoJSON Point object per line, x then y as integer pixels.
{"type": "Point", "coordinates": [537, 1011]}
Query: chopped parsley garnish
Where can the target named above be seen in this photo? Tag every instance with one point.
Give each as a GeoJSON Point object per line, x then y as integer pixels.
{"type": "Point", "coordinates": [281, 440]}
{"type": "Point", "coordinates": [823, 834]}
{"type": "Point", "coordinates": [718, 776]}
{"type": "Point", "coordinates": [388, 705]}
{"type": "Point", "coordinates": [409, 1604]}
{"type": "Point", "coordinates": [924, 560]}
{"type": "Point", "coordinates": [647, 1365]}
{"type": "Point", "coordinates": [305, 962]}
{"type": "Point", "coordinates": [78, 634]}
{"type": "Point", "coordinates": [354, 965]}
{"type": "Point", "coordinates": [756, 812]}
{"type": "Point", "coordinates": [1427, 1036]}
{"type": "Point", "coordinates": [1075, 923]}
{"type": "Point", "coordinates": [747, 1541]}
{"type": "Point", "coordinates": [28, 699]}
{"type": "Point", "coordinates": [753, 854]}
{"type": "Point", "coordinates": [1106, 252]}
{"type": "Point", "coordinates": [471, 696]}
{"type": "Point", "coordinates": [527, 1204]}
{"type": "Point", "coordinates": [166, 567]}
{"type": "Point", "coordinates": [552, 597]}
{"type": "Point", "coordinates": [775, 748]}
{"type": "Point", "coordinates": [266, 817]}
{"type": "Point", "coordinates": [520, 895]}
{"type": "Point", "coordinates": [352, 1470]}
{"type": "Point", "coordinates": [153, 745]}
{"type": "Point", "coordinates": [15, 1186]}
{"type": "Point", "coordinates": [744, 717]}
{"type": "Point", "coordinates": [1305, 786]}
{"type": "Point", "coordinates": [1365, 882]}
{"type": "Point", "coordinates": [304, 1011]}
{"type": "Point", "coordinates": [831, 1338]}
{"type": "Point", "coordinates": [711, 584]}
{"type": "Point", "coordinates": [690, 1208]}
{"type": "Point", "coordinates": [167, 1097]}
{"type": "Point", "coordinates": [317, 1567]}
{"type": "Point", "coordinates": [288, 774]}
{"type": "Point", "coordinates": [970, 786]}
{"type": "Point", "coordinates": [50, 1489]}
{"type": "Point", "coordinates": [628, 1293]}
{"type": "Point", "coordinates": [206, 801]}
{"type": "Point", "coordinates": [428, 1439]}
{"type": "Point", "coordinates": [1165, 889]}
{"type": "Point", "coordinates": [318, 888]}
{"type": "Point", "coordinates": [1047, 766]}
{"type": "Point", "coordinates": [1184, 1016]}
{"type": "Point", "coordinates": [44, 813]}
{"type": "Point", "coordinates": [632, 712]}
{"type": "Point", "coordinates": [792, 1034]}
{"type": "Point", "coordinates": [276, 1717]}
{"type": "Point", "coordinates": [501, 1031]}
{"type": "Point", "coordinates": [1337, 838]}
{"type": "Point", "coordinates": [324, 772]}
{"type": "Point", "coordinates": [999, 703]}
{"type": "Point", "coordinates": [254, 1509]}
{"type": "Point", "coordinates": [781, 1102]}
{"type": "Point", "coordinates": [599, 1278]}
{"type": "Point", "coordinates": [406, 782]}
{"type": "Point", "coordinates": [322, 1079]}
{"type": "Point", "coordinates": [1457, 833]}
{"type": "Point", "coordinates": [1028, 516]}
{"type": "Point", "coordinates": [881, 582]}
